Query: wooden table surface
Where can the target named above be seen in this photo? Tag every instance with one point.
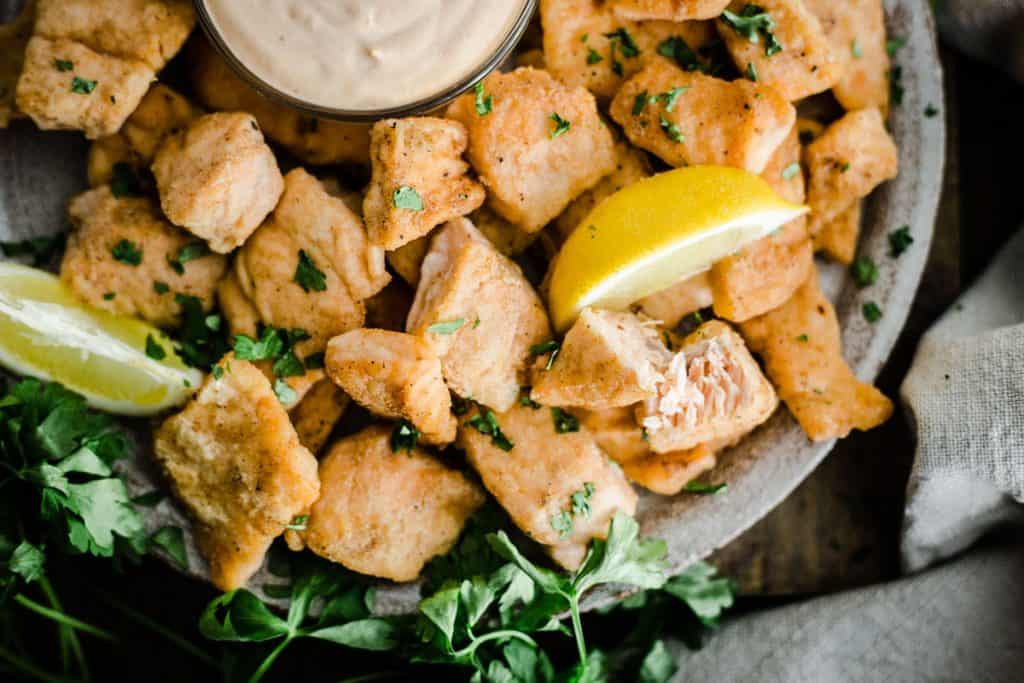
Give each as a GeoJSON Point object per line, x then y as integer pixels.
{"type": "Point", "coordinates": [840, 528]}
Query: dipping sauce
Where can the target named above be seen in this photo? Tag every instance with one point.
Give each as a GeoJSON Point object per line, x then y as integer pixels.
{"type": "Point", "coordinates": [361, 55]}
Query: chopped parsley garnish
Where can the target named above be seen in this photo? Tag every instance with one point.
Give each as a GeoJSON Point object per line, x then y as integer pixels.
{"type": "Point", "coordinates": [407, 198]}
{"type": "Point", "coordinates": [676, 48]}
{"type": "Point", "coordinates": [640, 103]}
{"type": "Point", "coordinates": [189, 252]}
{"type": "Point", "coordinates": [484, 103]}
{"type": "Point", "coordinates": [126, 251]}
{"type": "Point", "coordinates": [565, 423]}
{"type": "Point", "coordinates": [855, 49]}
{"type": "Point", "coordinates": [486, 422]}
{"type": "Point", "coordinates": [593, 57]}
{"type": "Point", "coordinates": [561, 125]}
{"type": "Point", "coordinates": [298, 523]}
{"type": "Point", "coordinates": [931, 111]}
{"type": "Point", "coordinates": [562, 523]}
{"type": "Point", "coordinates": [40, 249]}
{"type": "Point", "coordinates": [864, 271]}
{"type": "Point", "coordinates": [845, 166]}
{"type": "Point", "coordinates": [308, 276]}
{"type": "Point", "coordinates": [269, 346]}
{"type": "Point", "coordinates": [872, 313]}
{"type": "Point", "coordinates": [153, 348]}
{"type": "Point", "coordinates": [289, 365]}
{"type": "Point", "coordinates": [552, 347]}
{"type": "Point", "coordinates": [893, 45]}
{"type": "Point", "coordinates": [109, 296]}
{"type": "Point", "coordinates": [64, 64]}
{"type": "Point", "coordinates": [753, 23]}
{"type": "Point", "coordinates": [899, 241]}
{"type": "Point", "coordinates": [672, 130]}
{"type": "Point", "coordinates": [200, 342]}
{"type": "Point", "coordinates": [627, 46]}
{"type": "Point", "coordinates": [171, 539]}
{"type": "Point", "coordinates": [404, 437]}
{"type": "Point", "coordinates": [803, 338]}
{"type": "Point", "coordinates": [526, 401]}
{"type": "Point", "coordinates": [703, 489]}
{"type": "Point", "coordinates": [670, 97]}
{"type": "Point", "coordinates": [285, 394]}
{"type": "Point", "coordinates": [161, 287]}
{"type": "Point", "coordinates": [447, 327]}
{"type": "Point", "coordinates": [751, 72]}
{"type": "Point", "coordinates": [217, 372]}
{"type": "Point", "coordinates": [580, 500]}
{"type": "Point", "coordinates": [124, 181]}
{"type": "Point", "coordinates": [791, 171]}
{"type": "Point", "coordinates": [82, 86]}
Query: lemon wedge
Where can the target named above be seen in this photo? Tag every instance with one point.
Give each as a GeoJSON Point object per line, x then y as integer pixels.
{"type": "Point", "coordinates": [654, 233]}
{"type": "Point", "coordinates": [46, 333]}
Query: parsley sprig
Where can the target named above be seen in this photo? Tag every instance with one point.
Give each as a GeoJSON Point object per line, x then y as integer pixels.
{"type": "Point", "coordinates": [753, 23]}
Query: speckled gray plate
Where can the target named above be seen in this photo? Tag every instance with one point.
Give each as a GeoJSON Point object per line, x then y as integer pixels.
{"type": "Point", "coordinates": [39, 172]}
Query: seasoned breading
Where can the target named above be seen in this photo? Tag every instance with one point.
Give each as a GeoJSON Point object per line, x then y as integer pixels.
{"type": "Point", "coordinates": [667, 474]}
{"type": "Point", "coordinates": [846, 163]}
{"type": "Point", "coordinates": [95, 95]}
{"type": "Point", "coordinates": [407, 259]}
{"type": "Point", "coordinates": [161, 112]}
{"type": "Point", "coordinates": [631, 165]}
{"type": "Point", "coordinates": [14, 37]}
{"type": "Point", "coordinates": [709, 121]}
{"type": "Point", "coordinates": [800, 345]}
{"type": "Point", "coordinates": [616, 432]}
{"type": "Point", "coordinates": [806, 64]}
{"type": "Point", "coordinates": [506, 237]}
{"type": "Point", "coordinates": [235, 463]}
{"type": "Point", "coordinates": [101, 222]}
{"type": "Point", "coordinates": [540, 147]}
{"type": "Point", "coordinates": [464, 278]}
{"type": "Point", "coordinates": [668, 10]}
{"type": "Point", "coordinates": [310, 266]}
{"type": "Point", "coordinates": [671, 305]}
{"type": "Point", "coordinates": [419, 179]}
{"type": "Point", "coordinates": [607, 360]}
{"type": "Point", "coordinates": [394, 375]}
{"type": "Point", "coordinates": [586, 44]}
{"type": "Point", "coordinates": [856, 29]}
{"type": "Point", "coordinates": [147, 31]}
{"type": "Point", "coordinates": [387, 514]}
{"type": "Point", "coordinates": [838, 238]}
{"type": "Point", "coordinates": [315, 416]}
{"type": "Point", "coordinates": [535, 481]}
{"type": "Point", "coordinates": [714, 394]}
{"type": "Point", "coordinates": [218, 179]}
{"type": "Point", "coordinates": [313, 141]}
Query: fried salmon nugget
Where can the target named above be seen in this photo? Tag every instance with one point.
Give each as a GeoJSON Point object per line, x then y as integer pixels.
{"type": "Point", "coordinates": [218, 179]}
{"type": "Point", "coordinates": [607, 360]}
{"type": "Point", "coordinates": [714, 394]}
{"type": "Point", "coordinates": [14, 37]}
{"type": "Point", "coordinates": [310, 266]}
{"type": "Point", "coordinates": [394, 375]}
{"type": "Point", "coordinates": [670, 306]}
{"type": "Point", "coordinates": [586, 44]}
{"type": "Point", "coordinates": [668, 10]}
{"type": "Point", "coordinates": [123, 256]}
{"type": "Point", "coordinates": [541, 145]}
{"type": "Point", "coordinates": [846, 163]}
{"type": "Point", "coordinates": [856, 29]}
{"type": "Point", "coordinates": [801, 347]}
{"type": "Point", "coordinates": [314, 141]}
{"type": "Point", "coordinates": [479, 314]}
{"type": "Point", "coordinates": [838, 238]}
{"type": "Point", "coordinates": [235, 463]}
{"type": "Point", "coordinates": [616, 432]}
{"type": "Point", "coordinates": [386, 514]}
{"type": "Point", "coordinates": [419, 179]}
{"type": "Point", "coordinates": [696, 119]}
{"type": "Point", "coordinates": [315, 416]}
{"type": "Point", "coordinates": [542, 474]}
{"type": "Point", "coordinates": [800, 64]}
{"type": "Point", "coordinates": [667, 474]}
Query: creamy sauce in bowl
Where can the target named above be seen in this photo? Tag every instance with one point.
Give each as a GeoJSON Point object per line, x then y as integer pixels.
{"type": "Point", "coordinates": [363, 55]}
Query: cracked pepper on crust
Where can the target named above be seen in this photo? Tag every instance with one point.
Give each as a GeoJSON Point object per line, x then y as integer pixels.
{"type": "Point", "coordinates": [387, 514]}
{"type": "Point", "coordinates": [235, 462]}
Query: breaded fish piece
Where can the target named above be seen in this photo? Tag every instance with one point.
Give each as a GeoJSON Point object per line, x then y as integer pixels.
{"type": "Point", "coordinates": [147, 31]}
{"type": "Point", "coordinates": [846, 163]}
{"type": "Point", "coordinates": [235, 463]}
{"type": "Point", "coordinates": [806, 64]}
{"type": "Point", "coordinates": [631, 165]}
{"type": "Point", "coordinates": [310, 266]}
{"type": "Point", "coordinates": [419, 179]}
{"type": "Point", "coordinates": [95, 94]}
{"type": "Point", "coordinates": [671, 305]}
{"type": "Point", "coordinates": [394, 375]}
{"type": "Point", "coordinates": [667, 474]}
{"type": "Point", "coordinates": [14, 37]}
{"type": "Point", "coordinates": [315, 416]}
{"type": "Point", "coordinates": [607, 360]}
{"type": "Point", "coordinates": [537, 479]}
{"type": "Point", "coordinates": [407, 259]}
{"type": "Point", "coordinates": [387, 514]}
{"type": "Point", "coordinates": [800, 345]}
{"type": "Point", "coordinates": [162, 112]}
{"type": "Point", "coordinates": [714, 394]}
{"type": "Point", "coordinates": [856, 29]}
{"type": "Point", "coordinates": [103, 227]}
{"type": "Point", "coordinates": [838, 239]}
{"type": "Point", "coordinates": [668, 10]}
{"type": "Point", "coordinates": [507, 238]}
{"type": "Point", "coordinates": [314, 141]}
{"type": "Point", "coordinates": [616, 432]}
{"type": "Point", "coordinates": [218, 179]}
{"type": "Point", "coordinates": [586, 44]}
{"type": "Point", "coordinates": [479, 314]}
{"type": "Point", "coordinates": [709, 121]}
{"type": "Point", "coordinates": [542, 145]}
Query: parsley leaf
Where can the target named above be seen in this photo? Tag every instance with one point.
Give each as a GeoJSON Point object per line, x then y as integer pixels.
{"type": "Point", "coordinates": [704, 593]}
{"type": "Point", "coordinates": [82, 86]}
{"type": "Point", "coordinates": [127, 252]}
{"type": "Point", "coordinates": [627, 46]}
{"type": "Point", "coordinates": [200, 342]}
{"type": "Point", "coordinates": [64, 64]}
{"type": "Point", "coordinates": [752, 23]}
{"type": "Point", "coordinates": [872, 313]}
{"type": "Point", "coordinates": [593, 56]}
{"type": "Point", "coordinates": [189, 252]}
{"type": "Point", "coordinates": [404, 437]}
{"type": "Point", "coordinates": [484, 103]}
{"type": "Point", "coordinates": [171, 540]}
{"type": "Point", "coordinates": [552, 347]}
{"type": "Point", "coordinates": [284, 392]}
{"type": "Point", "coordinates": [561, 125]}
{"type": "Point", "coordinates": [153, 348]}
{"type": "Point", "coordinates": [308, 276]}
{"type": "Point", "coordinates": [640, 103]}
{"type": "Point", "coordinates": [864, 271]}
{"type": "Point", "coordinates": [751, 72]}
{"type": "Point", "coordinates": [705, 489]}
{"type": "Point", "coordinates": [486, 422]}
{"type": "Point", "coordinates": [447, 327]}
{"type": "Point", "coordinates": [899, 241]}
{"type": "Point", "coordinates": [564, 422]}
{"type": "Point", "coordinates": [580, 500]}
{"type": "Point", "coordinates": [270, 346]}
{"type": "Point", "coordinates": [672, 130]}
{"type": "Point", "coordinates": [561, 522]}
{"type": "Point", "coordinates": [407, 198]}
{"type": "Point", "coordinates": [791, 171]}
{"type": "Point", "coordinates": [893, 45]}
{"type": "Point", "coordinates": [678, 49]}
